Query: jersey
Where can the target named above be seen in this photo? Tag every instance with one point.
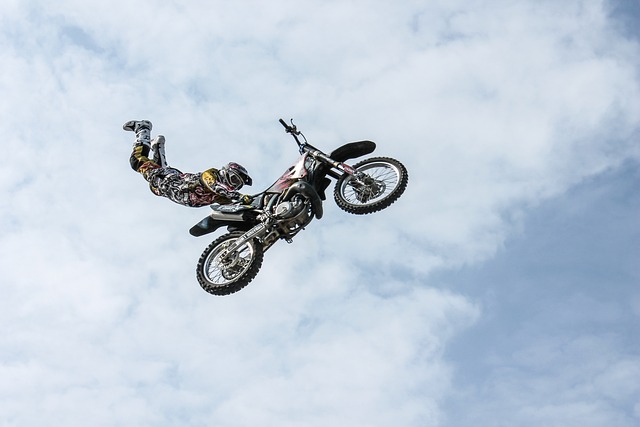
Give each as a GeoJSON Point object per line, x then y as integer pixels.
{"type": "Point", "coordinates": [183, 188]}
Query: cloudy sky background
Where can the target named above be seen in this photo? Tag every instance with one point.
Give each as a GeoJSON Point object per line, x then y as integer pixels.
{"type": "Point", "coordinates": [500, 290]}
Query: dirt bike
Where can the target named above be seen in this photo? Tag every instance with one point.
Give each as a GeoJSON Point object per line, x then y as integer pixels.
{"type": "Point", "coordinates": [280, 212]}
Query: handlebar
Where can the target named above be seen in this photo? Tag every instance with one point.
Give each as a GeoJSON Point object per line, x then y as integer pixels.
{"type": "Point", "coordinates": [293, 130]}
{"type": "Point", "coordinates": [289, 129]}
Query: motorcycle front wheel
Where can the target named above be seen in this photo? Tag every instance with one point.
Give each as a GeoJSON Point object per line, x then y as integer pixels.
{"type": "Point", "coordinates": [222, 273]}
{"type": "Point", "coordinates": [378, 182]}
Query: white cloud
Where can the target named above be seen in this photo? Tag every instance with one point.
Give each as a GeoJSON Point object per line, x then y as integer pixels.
{"type": "Point", "coordinates": [493, 108]}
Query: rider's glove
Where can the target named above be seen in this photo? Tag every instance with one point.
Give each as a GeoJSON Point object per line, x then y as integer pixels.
{"type": "Point", "coordinates": [242, 198]}
{"type": "Point", "coordinates": [246, 199]}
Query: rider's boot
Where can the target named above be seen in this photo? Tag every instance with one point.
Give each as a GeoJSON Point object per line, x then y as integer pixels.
{"type": "Point", "coordinates": [142, 129]}
{"type": "Point", "coordinates": [157, 145]}
{"type": "Point", "coordinates": [134, 125]}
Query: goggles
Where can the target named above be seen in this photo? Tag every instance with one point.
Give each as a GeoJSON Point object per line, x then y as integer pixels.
{"type": "Point", "coordinates": [234, 179]}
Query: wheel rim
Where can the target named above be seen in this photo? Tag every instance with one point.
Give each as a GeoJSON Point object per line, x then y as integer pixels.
{"type": "Point", "coordinates": [379, 180]}
{"type": "Point", "coordinates": [221, 271]}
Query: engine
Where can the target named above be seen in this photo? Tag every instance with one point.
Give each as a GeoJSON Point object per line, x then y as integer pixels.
{"type": "Point", "coordinates": [293, 215]}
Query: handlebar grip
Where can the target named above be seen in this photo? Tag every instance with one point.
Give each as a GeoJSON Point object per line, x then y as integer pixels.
{"type": "Point", "coordinates": [283, 123]}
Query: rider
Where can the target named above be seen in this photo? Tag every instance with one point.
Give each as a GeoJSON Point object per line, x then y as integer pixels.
{"type": "Point", "coordinates": [189, 189]}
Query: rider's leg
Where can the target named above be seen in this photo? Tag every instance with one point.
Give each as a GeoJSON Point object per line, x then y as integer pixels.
{"type": "Point", "coordinates": [157, 145]}
{"type": "Point", "coordinates": [142, 145]}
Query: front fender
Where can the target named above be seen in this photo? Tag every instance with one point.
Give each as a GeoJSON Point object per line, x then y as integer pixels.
{"type": "Point", "coordinates": [352, 150]}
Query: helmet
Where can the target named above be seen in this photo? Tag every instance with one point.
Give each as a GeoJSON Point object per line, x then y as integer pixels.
{"type": "Point", "coordinates": [233, 176]}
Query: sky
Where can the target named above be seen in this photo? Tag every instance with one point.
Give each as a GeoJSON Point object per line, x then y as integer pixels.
{"type": "Point", "coordinates": [501, 289]}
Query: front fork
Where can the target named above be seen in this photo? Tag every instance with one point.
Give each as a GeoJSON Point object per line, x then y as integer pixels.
{"type": "Point", "coordinates": [343, 167]}
{"type": "Point", "coordinates": [365, 186]}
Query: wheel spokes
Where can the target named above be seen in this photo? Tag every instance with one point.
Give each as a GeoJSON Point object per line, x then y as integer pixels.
{"type": "Point", "coordinates": [377, 181]}
{"type": "Point", "coordinates": [221, 271]}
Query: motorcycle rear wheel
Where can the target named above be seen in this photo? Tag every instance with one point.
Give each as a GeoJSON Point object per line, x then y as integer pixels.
{"type": "Point", "coordinates": [380, 182]}
{"type": "Point", "coordinates": [220, 275]}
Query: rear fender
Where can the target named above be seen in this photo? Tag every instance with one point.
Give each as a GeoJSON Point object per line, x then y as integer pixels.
{"type": "Point", "coordinates": [217, 219]}
{"type": "Point", "coordinates": [206, 226]}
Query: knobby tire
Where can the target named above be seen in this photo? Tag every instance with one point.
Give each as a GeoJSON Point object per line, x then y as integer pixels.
{"type": "Point", "coordinates": [236, 283]}
{"type": "Point", "coordinates": [347, 203]}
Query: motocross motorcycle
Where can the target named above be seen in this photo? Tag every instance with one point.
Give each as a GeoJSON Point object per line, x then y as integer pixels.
{"type": "Point", "coordinates": [280, 212]}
